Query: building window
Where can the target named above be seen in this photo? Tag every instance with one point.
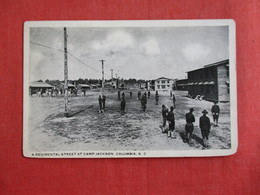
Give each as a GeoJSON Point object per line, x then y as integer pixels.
{"type": "Point", "coordinates": [168, 81]}
{"type": "Point", "coordinates": [158, 81]}
{"type": "Point", "coordinates": [168, 85]}
{"type": "Point", "coordinates": [163, 81]}
{"type": "Point", "coordinates": [163, 86]}
{"type": "Point", "coordinates": [158, 86]}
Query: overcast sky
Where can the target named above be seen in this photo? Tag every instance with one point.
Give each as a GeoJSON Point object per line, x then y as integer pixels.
{"type": "Point", "coordinates": [141, 53]}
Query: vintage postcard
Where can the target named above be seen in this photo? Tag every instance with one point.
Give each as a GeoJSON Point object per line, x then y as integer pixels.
{"type": "Point", "coordinates": [106, 89]}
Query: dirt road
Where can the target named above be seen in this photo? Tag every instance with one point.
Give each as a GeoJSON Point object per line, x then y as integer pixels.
{"type": "Point", "coordinates": [86, 129]}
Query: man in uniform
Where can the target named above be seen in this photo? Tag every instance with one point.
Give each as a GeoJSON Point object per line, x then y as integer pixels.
{"type": "Point", "coordinates": [173, 100]}
{"type": "Point", "coordinates": [131, 94]}
{"type": "Point", "coordinates": [164, 115]}
{"type": "Point", "coordinates": [100, 103]}
{"type": "Point", "coordinates": [190, 119]}
{"type": "Point", "coordinates": [149, 94]}
{"type": "Point", "coordinates": [123, 105]}
{"type": "Point", "coordinates": [104, 102]}
{"type": "Point", "coordinates": [205, 128]}
{"type": "Point", "coordinates": [143, 102]}
{"type": "Point", "coordinates": [215, 112]}
{"type": "Point", "coordinates": [156, 97]}
{"type": "Point", "coordinates": [171, 120]}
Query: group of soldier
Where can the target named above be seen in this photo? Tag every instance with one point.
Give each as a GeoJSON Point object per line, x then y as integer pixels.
{"type": "Point", "coordinates": [204, 123]}
{"type": "Point", "coordinates": [142, 98]}
{"type": "Point", "coordinates": [168, 115]}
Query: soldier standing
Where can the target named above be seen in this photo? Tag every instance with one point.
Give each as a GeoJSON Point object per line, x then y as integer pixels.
{"type": "Point", "coordinates": [215, 112]}
{"type": "Point", "coordinates": [156, 97]}
{"type": "Point", "coordinates": [143, 102]}
{"type": "Point", "coordinates": [104, 102]}
{"type": "Point", "coordinates": [131, 94]}
{"type": "Point", "coordinates": [171, 120]}
{"type": "Point", "coordinates": [100, 103]}
{"type": "Point", "coordinates": [123, 95]}
{"type": "Point", "coordinates": [164, 115]}
{"type": "Point", "coordinates": [190, 119]}
{"type": "Point", "coordinates": [171, 93]}
{"type": "Point", "coordinates": [205, 128]}
{"type": "Point", "coordinates": [123, 106]}
{"type": "Point", "coordinates": [149, 94]}
{"type": "Point", "coordinates": [173, 100]}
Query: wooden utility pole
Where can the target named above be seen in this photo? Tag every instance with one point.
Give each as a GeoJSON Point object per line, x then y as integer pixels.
{"type": "Point", "coordinates": [65, 73]}
{"type": "Point", "coordinates": [102, 61]}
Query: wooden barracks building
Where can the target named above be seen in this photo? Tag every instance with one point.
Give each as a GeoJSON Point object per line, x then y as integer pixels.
{"type": "Point", "coordinates": [212, 81]}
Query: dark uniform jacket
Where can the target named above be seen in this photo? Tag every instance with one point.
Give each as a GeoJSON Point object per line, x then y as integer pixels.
{"type": "Point", "coordinates": [205, 123]}
{"type": "Point", "coordinates": [100, 100]}
{"type": "Point", "coordinates": [143, 100]}
{"type": "Point", "coordinates": [170, 117]}
{"type": "Point", "coordinates": [215, 109]}
{"type": "Point", "coordinates": [164, 112]}
{"type": "Point", "coordinates": [190, 118]}
{"type": "Point", "coordinates": [173, 98]}
{"type": "Point", "coordinates": [123, 103]}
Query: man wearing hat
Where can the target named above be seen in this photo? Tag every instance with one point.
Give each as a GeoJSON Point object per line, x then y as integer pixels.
{"type": "Point", "coordinates": [190, 119]}
{"type": "Point", "coordinates": [205, 127]}
{"type": "Point", "coordinates": [215, 112]}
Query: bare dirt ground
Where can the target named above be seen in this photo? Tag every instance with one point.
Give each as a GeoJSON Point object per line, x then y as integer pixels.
{"type": "Point", "coordinates": [86, 129]}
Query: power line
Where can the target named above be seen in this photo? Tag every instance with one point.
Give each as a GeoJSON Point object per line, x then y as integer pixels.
{"type": "Point", "coordinates": [69, 54]}
{"type": "Point", "coordinates": [46, 46]}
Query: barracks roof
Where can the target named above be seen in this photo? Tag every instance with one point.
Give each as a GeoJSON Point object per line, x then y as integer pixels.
{"type": "Point", "coordinates": [40, 84]}
{"type": "Point", "coordinates": [211, 65]}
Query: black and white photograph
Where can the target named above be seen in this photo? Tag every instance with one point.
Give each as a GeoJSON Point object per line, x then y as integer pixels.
{"type": "Point", "coordinates": [106, 89]}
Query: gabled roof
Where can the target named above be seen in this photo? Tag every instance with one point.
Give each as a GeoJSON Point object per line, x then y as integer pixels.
{"type": "Point", "coordinates": [40, 84]}
{"type": "Point", "coordinates": [163, 78]}
{"type": "Point", "coordinates": [84, 85]}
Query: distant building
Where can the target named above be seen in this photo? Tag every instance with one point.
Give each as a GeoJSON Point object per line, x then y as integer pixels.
{"type": "Point", "coordinates": [181, 84]}
{"type": "Point", "coordinates": [151, 85]}
{"type": "Point", "coordinates": [60, 87]}
{"type": "Point", "coordinates": [111, 84]}
{"type": "Point", "coordinates": [212, 81]}
{"type": "Point", "coordinates": [93, 86]}
{"type": "Point", "coordinates": [36, 86]}
{"type": "Point", "coordinates": [164, 84]}
{"type": "Point", "coordinates": [83, 87]}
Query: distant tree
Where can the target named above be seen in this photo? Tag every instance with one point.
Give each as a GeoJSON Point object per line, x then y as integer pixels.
{"type": "Point", "coordinates": [80, 81]}
{"type": "Point", "coordinates": [40, 80]}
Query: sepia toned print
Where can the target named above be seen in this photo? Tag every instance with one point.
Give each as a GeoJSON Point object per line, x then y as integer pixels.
{"type": "Point", "coordinates": [129, 89]}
